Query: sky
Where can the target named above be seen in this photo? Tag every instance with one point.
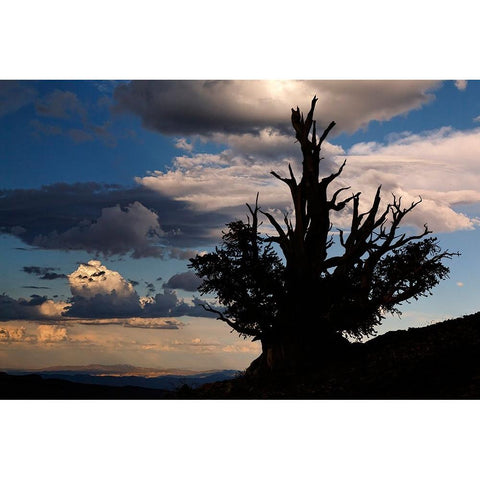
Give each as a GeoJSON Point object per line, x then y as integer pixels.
{"type": "Point", "coordinates": [109, 187]}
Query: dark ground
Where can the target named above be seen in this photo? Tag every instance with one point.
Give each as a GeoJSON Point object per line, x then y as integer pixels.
{"type": "Point", "coordinates": [441, 361]}
{"type": "Point", "coordinates": [34, 387]}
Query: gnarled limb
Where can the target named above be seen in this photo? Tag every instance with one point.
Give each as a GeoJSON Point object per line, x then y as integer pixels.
{"type": "Point", "coordinates": [235, 325]}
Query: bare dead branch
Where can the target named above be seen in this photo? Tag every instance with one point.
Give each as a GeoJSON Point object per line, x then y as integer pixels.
{"type": "Point", "coordinates": [326, 132]}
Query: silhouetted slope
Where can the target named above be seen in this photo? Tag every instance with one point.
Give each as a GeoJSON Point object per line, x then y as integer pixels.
{"type": "Point", "coordinates": [441, 361]}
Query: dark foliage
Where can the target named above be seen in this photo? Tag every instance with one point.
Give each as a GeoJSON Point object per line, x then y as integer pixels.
{"type": "Point", "coordinates": [247, 276]}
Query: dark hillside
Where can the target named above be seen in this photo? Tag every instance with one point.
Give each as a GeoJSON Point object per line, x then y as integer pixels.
{"type": "Point", "coordinates": [441, 361]}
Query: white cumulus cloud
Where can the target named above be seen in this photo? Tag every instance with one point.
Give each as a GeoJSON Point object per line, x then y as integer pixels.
{"type": "Point", "coordinates": [441, 166]}
{"type": "Point", "coordinates": [101, 293]}
{"type": "Point", "coordinates": [93, 278]}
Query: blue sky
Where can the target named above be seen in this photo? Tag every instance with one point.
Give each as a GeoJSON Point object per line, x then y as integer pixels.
{"type": "Point", "coordinates": [136, 177]}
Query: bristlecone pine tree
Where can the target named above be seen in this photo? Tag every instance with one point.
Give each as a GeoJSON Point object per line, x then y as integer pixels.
{"type": "Point", "coordinates": [301, 307]}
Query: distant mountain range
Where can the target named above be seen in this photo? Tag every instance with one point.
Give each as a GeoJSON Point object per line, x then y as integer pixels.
{"type": "Point", "coordinates": [129, 376]}
{"type": "Point", "coordinates": [118, 369]}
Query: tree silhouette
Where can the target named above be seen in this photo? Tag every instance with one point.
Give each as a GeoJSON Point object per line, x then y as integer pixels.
{"type": "Point", "coordinates": [300, 307]}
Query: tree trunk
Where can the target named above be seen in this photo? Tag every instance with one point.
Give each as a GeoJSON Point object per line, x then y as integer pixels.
{"type": "Point", "coordinates": [307, 351]}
